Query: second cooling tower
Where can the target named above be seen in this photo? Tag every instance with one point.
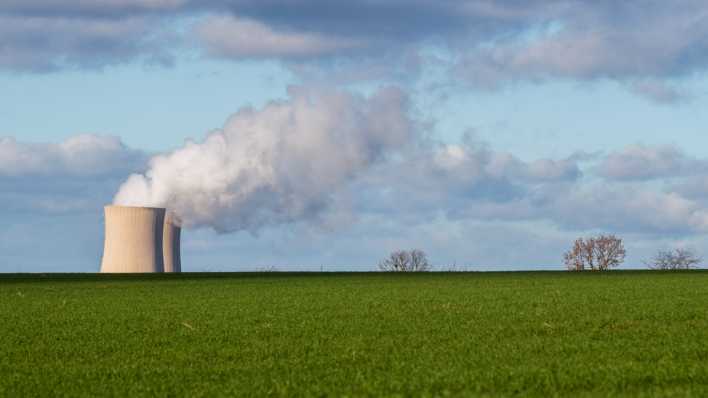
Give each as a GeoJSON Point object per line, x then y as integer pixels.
{"type": "Point", "coordinates": [170, 244]}
{"type": "Point", "coordinates": [140, 239]}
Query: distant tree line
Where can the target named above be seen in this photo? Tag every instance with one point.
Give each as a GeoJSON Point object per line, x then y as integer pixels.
{"type": "Point", "coordinates": [597, 253]}
{"type": "Point", "coordinates": [604, 252]}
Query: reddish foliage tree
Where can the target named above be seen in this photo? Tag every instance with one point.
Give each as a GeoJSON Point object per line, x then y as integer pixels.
{"type": "Point", "coordinates": [598, 253]}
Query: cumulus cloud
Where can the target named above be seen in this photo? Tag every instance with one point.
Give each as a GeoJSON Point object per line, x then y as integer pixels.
{"type": "Point", "coordinates": [575, 208]}
{"type": "Point", "coordinates": [275, 165]}
{"type": "Point", "coordinates": [476, 162]}
{"type": "Point", "coordinates": [87, 155]}
{"type": "Point", "coordinates": [460, 182]}
{"type": "Point", "coordinates": [79, 174]}
{"type": "Point", "coordinates": [641, 162]}
{"type": "Point", "coordinates": [638, 209]}
{"type": "Point", "coordinates": [471, 182]}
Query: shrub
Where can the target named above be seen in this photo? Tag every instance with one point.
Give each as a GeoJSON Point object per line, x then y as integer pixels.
{"type": "Point", "coordinates": [674, 259]}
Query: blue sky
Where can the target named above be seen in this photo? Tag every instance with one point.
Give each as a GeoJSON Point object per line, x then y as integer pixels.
{"type": "Point", "coordinates": [489, 133]}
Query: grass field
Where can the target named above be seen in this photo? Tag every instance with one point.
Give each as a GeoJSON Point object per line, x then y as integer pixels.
{"type": "Point", "coordinates": [433, 334]}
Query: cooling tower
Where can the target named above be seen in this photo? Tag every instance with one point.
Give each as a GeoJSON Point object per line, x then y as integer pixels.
{"type": "Point", "coordinates": [170, 244]}
{"type": "Point", "coordinates": [134, 237]}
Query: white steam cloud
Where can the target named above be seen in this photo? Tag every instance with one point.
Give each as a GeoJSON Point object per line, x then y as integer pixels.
{"type": "Point", "coordinates": [275, 165]}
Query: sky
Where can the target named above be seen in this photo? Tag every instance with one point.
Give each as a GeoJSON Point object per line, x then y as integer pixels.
{"type": "Point", "coordinates": [311, 134]}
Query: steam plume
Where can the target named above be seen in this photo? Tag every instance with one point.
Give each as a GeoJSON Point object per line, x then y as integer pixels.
{"type": "Point", "coordinates": [274, 165]}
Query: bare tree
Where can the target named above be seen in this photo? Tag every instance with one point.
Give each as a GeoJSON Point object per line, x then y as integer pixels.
{"type": "Point", "coordinates": [598, 253]}
{"type": "Point", "coordinates": [419, 261]}
{"type": "Point", "coordinates": [405, 261]}
{"type": "Point", "coordinates": [674, 259]}
{"type": "Point", "coordinates": [396, 261]}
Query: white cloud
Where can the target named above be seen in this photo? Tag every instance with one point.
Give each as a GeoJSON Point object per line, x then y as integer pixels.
{"type": "Point", "coordinates": [77, 176]}
{"type": "Point", "coordinates": [236, 38]}
{"type": "Point", "coordinates": [473, 159]}
{"type": "Point", "coordinates": [639, 209]}
{"type": "Point", "coordinates": [470, 182]}
{"type": "Point", "coordinates": [83, 155]}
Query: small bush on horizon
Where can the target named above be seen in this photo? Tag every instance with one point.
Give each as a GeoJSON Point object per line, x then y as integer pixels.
{"type": "Point", "coordinates": [406, 261]}
{"type": "Point", "coordinates": [679, 258]}
{"type": "Point", "coordinates": [454, 268]}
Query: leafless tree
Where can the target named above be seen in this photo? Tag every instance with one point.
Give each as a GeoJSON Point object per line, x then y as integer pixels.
{"type": "Point", "coordinates": [598, 253]}
{"type": "Point", "coordinates": [395, 262]}
{"type": "Point", "coordinates": [406, 261]}
{"type": "Point", "coordinates": [419, 261]}
{"type": "Point", "coordinates": [674, 259]}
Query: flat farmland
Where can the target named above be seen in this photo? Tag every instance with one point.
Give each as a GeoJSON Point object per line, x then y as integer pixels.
{"type": "Point", "coordinates": [619, 333]}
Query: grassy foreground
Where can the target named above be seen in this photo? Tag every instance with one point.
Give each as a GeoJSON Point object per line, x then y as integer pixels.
{"type": "Point", "coordinates": [470, 334]}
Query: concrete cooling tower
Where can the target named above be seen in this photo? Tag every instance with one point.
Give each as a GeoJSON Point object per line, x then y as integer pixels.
{"type": "Point", "coordinates": [140, 239]}
{"type": "Point", "coordinates": [170, 244]}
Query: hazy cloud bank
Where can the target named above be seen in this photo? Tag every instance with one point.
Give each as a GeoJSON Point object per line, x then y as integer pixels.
{"type": "Point", "coordinates": [331, 158]}
{"type": "Point", "coordinates": [644, 45]}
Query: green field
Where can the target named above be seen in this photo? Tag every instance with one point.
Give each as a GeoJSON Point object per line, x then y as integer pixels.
{"type": "Point", "coordinates": [434, 334]}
